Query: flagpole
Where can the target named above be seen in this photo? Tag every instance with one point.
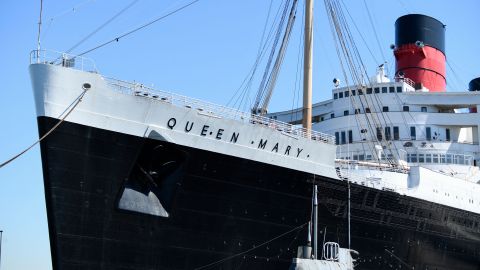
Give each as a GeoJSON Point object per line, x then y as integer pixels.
{"type": "Point", "coordinates": [1, 234]}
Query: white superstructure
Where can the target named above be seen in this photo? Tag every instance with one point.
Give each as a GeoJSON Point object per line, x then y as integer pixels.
{"type": "Point", "coordinates": [411, 141]}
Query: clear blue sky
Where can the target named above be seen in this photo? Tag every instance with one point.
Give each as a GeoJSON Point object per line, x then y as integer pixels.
{"type": "Point", "coordinates": [204, 51]}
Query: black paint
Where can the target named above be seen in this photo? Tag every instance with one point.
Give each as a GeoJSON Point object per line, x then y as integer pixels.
{"type": "Point", "coordinates": [204, 130]}
{"type": "Point", "coordinates": [223, 205]}
{"type": "Point", "coordinates": [416, 27]}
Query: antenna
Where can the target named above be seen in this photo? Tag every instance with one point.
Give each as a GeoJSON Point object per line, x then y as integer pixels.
{"type": "Point", "coordinates": [315, 222]}
{"type": "Point", "coordinates": [39, 31]}
{"type": "Point", "coordinates": [1, 234]}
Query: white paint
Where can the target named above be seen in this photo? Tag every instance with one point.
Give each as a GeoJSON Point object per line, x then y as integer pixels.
{"type": "Point", "coordinates": [104, 107]}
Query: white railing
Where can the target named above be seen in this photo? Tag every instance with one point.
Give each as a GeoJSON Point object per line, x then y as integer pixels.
{"type": "Point", "coordinates": [62, 59]}
{"type": "Point", "coordinates": [210, 109]}
{"type": "Point", "coordinates": [406, 80]}
{"type": "Point", "coordinates": [373, 182]}
{"type": "Point", "coordinates": [218, 111]}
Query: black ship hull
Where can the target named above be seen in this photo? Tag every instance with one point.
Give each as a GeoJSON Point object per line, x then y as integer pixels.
{"type": "Point", "coordinates": [224, 212]}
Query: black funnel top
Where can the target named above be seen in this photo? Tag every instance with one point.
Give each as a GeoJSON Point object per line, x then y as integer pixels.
{"type": "Point", "coordinates": [416, 27]}
{"type": "Point", "coordinates": [474, 85]}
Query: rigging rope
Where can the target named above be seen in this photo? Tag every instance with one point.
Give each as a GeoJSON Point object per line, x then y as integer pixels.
{"type": "Point", "coordinates": [61, 14]}
{"type": "Point", "coordinates": [268, 69]}
{"type": "Point", "coordinates": [280, 56]}
{"type": "Point", "coordinates": [102, 26]}
{"type": "Point", "coordinates": [139, 28]}
{"type": "Point", "coordinates": [68, 110]}
{"type": "Point", "coordinates": [357, 69]}
{"type": "Point", "coordinates": [298, 82]}
{"type": "Point", "coordinates": [246, 84]}
{"type": "Point", "coordinates": [374, 30]}
{"type": "Point", "coordinates": [253, 248]}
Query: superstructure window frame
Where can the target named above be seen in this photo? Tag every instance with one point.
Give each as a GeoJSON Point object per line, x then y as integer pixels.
{"type": "Point", "coordinates": [396, 133]}
{"type": "Point", "coordinates": [388, 133]}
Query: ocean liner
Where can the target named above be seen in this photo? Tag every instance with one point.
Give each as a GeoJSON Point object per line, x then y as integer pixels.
{"type": "Point", "coordinates": [137, 178]}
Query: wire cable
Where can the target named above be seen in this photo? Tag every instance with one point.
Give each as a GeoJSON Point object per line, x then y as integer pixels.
{"type": "Point", "coordinates": [102, 26]}
{"type": "Point", "coordinates": [72, 106]}
{"type": "Point", "coordinates": [253, 248]}
{"type": "Point", "coordinates": [138, 28]}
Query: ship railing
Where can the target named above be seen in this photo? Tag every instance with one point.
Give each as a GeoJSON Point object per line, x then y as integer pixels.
{"type": "Point", "coordinates": [215, 110]}
{"type": "Point", "coordinates": [62, 59]}
{"type": "Point", "coordinates": [349, 174]}
{"type": "Point", "coordinates": [406, 80]}
{"type": "Point", "coordinates": [381, 166]}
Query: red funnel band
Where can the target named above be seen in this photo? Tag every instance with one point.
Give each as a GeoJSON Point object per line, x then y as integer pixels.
{"type": "Point", "coordinates": [425, 65]}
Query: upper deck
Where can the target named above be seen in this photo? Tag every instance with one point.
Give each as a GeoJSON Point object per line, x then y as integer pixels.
{"type": "Point", "coordinates": [203, 107]}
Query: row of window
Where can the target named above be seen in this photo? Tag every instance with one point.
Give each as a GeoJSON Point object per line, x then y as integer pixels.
{"type": "Point", "coordinates": [384, 109]}
{"type": "Point", "coordinates": [368, 91]}
{"type": "Point", "coordinates": [341, 137]}
{"type": "Point", "coordinates": [318, 118]}
{"type": "Point", "coordinates": [387, 132]}
{"type": "Point", "coordinates": [439, 158]}
{"type": "Point", "coordinates": [422, 158]}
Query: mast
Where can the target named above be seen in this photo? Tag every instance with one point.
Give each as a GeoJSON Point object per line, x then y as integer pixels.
{"type": "Point", "coordinates": [307, 66]}
{"type": "Point", "coordinates": [39, 31]}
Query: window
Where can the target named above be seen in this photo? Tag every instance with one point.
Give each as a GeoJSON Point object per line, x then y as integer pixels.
{"type": "Point", "coordinates": [421, 158]}
{"type": "Point", "coordinates": [428, 158]}
{"type": "Point", "coordinates": [340, 95]}
{"type": "Point", "coordinates": [345, 113]}
{"type": "Point", "coordinates": [388, 134]}
{"type": "Point", "coordinates": [384, 89]}
{"type": "Point", "coordinates": [332, 115]}
{"type": "Point", "coordinates": [447, 134]}
{"type": "Point", "coordinates": [344, 138]}
{"type": "Point", "coordinates": [424, 109]}
{"type": "Point", "coordinates": [347, 93]}
{"type": "Point", "coordinates": [367, 110]}
{"type": "Point", "coordinates": [379, 133]}
{"type": "Point", "coordinates": [337, 138]}
{"type": "Point", "coordinates": [413, 158]}
{"type": "Point", "coordinates": [399, 89]}
{"type": "Point", "coordinates": [377, 90]}
{"type": "Point", "coordinates": [357, 111]}
{"type": "Point", "coordinates": [316, 119]}
{"type": "Point", "coordinates": [350, 136]}
{"type": "Point", "coordinates": [428, 130]}
{"type": "Point", "coordinates": [413, 133]}
{"type": "Point", "coordinates": [335, 96]}
{"type": "Point", "coordinates": [406, 108]}
{"type": "Point", "coordinates": [369, 91]}
{"type": "Point", "coordinates": [449, 158]}
{"type": "Point", "coordinates": [321, 119]}
{"type": "Point", "coordinates": [385, 109]}
{"type": "Point", "coordinates": [353, 92]}
{"type": "Point", "coordinates": [435, 158]}
{"type": "Point", "coordinates": [396, 133]}
{"type": "Point", "coordinates": [360, 92]}
{"type": "Point", "coordinates": [391, 89]}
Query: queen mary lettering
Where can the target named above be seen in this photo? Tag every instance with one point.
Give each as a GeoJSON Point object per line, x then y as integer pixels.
{"type": "Point", "coordinates": [204, 130]}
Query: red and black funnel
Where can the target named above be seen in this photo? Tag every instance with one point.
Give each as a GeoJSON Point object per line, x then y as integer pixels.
{"type": "Point", "coordinates": [474, 85]}
{"type": "Point", "coordinates": [420, 51]}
